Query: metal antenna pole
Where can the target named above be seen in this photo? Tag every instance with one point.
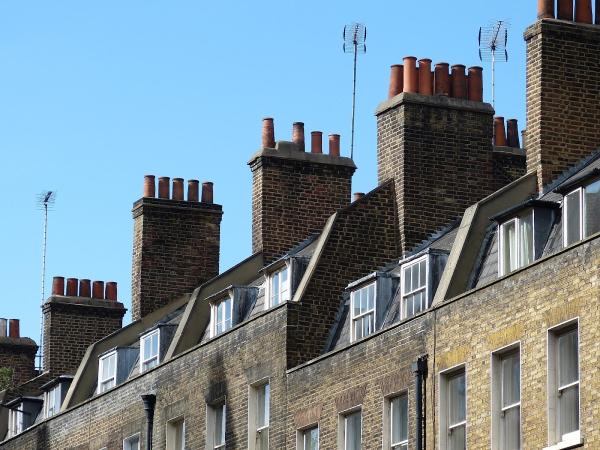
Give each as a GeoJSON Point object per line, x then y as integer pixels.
{"type": "Point", "coordinates": [355, 36]}
{"type": "Point", "coordinates": [493, 39]}
{"type": "Point", "coordinates": [353, 101]}
{"type": "Point", "coordinates": [494, 80]}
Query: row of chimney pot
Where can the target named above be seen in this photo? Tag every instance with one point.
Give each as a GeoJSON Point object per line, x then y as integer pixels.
{"type": "Point", "coordinates": [164, 189]}
{"type": "Point", "coordinates": [316, 138]}
{"type": "Point", "coordinates": [85, 288]}
{"type": "Point", "coordinates": [443, 80]}
{"type": "Point", "coordinates": [506, 137]}
{"type": "Point", "coordinates": [578, 10]}
{"type": "Point", "coordinates": [10, 326]}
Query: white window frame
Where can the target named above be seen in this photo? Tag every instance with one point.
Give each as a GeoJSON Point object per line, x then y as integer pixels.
{"type": "Point", "coordinates": [574, 438]}
{"type": "Point", "coordinates": [16, 420]}
{"type": "Point", "coordinates": [517, 221]}
{"type": "Point", "coordinates": [369, 312]}
{"type": "Point", "coordinates": [172, 428]}
{"type": "Point", "coordinates": [103, 382]}
{"type": "Point", "coordinates": [227, 324]}
{"type": "Point", "coordinates": [52, 399]}
{"type": "Point", "coordinates": [497, 357]}
{"type": "Point", "coordinates": [405, 267]}
{"type": "Point", "coordinates": [253, 427]}
{"type": "Point", "coordinates": [301, 436]}
{"type": "Point", "coordinates": [445, 426]}
{"type": "Point", "coordinates": [388, 420]}
{"type": "Point", "coordinates": [144, 362]}
{"type": "Point", "coordinates": [269, 291]}
{"type": "Point", "coordinates": [343, 428]}
{"type": "Point", "coordinates": [129, 440]}
{"type": "Point", "coordinates": [579, 191]}
{"type": "Point", "coordinates": [211, 425]}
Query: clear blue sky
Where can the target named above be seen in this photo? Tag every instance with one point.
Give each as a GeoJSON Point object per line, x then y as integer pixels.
{"type": "Point", "coordinates": [93, 95]}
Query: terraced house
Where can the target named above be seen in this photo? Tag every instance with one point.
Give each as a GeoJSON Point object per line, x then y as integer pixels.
{"type": "Point", "coordinates": [454, 306]}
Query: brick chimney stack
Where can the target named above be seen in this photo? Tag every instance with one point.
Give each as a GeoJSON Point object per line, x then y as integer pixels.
{"type": "Point", "coordinates": [75, 318]}
{"type": "Point", "coordinates": [16, 353]}
{"type": "Point", "coordinates": [435, 141]}
{"type": "Point", "coordinates": [294, 191]}
{"type": "Point", "coordinates": [563, 87]}
{"type": "Point", "coordinates": [176, 242]}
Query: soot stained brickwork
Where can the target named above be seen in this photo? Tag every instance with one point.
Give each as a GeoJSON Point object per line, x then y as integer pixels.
{"type": "Point", "coordinates": [508, 167]}
{"type": "Point", "coordinates": [71, 325]}
{"type": "Point", "coordinates": [175, 249]}
{"type": "Point", "coordinates": [438, 151]}
{"type": "Point", "coordinates": [293, 194]}
{"type": "Point", "coordinates": [18, 354]}
{"type": "Point", "coordinates": [563, 95]}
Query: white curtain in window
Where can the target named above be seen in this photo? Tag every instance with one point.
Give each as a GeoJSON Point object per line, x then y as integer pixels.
{"type": "Point", "coordinates": [510, 436]}
{"type": "Point", "coordinates": [568, 377]}
{"type": "Point", "coordinates": [592, 207]}
{"type": "Point", "coordinates": [526, 239]}
{"type": "Point", "coordinates": [353, 424]}
{"type": "Point", "coordinates": [573, 219]}
{"type": "Point", "coordinates": [509, 247]}
{"type": "Point", "coordinates": [311, 439]}
{"type": "Point", "coordinates": [399, 418]}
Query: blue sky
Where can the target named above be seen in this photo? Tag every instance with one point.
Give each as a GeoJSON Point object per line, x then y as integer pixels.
{"type": "Point", "coordinates": [93, 95]}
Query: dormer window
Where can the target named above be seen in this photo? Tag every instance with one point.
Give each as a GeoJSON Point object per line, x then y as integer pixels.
{"type": "Point", "coordinates": [581, 213]}
{"type": "Point", "coordinates": [16, 423]}
{"type": "Point", "coordinates": [516, 247]}
{"type": "Point", "coordinates": [222, 316]}
{"type": "Point", "coordinates": [279, 287]}
{"type": "Point", "coordinates": [415, 296]}
{"type": "Point", "coordinates": [52, 401]}
{"type": "Point", "coordinates": [107, 372]}
{"type": "Point", "coordinates": [363, 311]}
{"type": "Point", "coordinates": [149, 350]}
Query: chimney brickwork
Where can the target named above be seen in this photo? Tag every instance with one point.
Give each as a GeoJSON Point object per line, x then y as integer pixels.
{"type": "Point", "coordinates": [16, 353]}
{"type": "Point", "coordinates": [294, 192]}
{"type": "Point", "coordinates": [176, 243]}
{"type": "Point", "coordinates": [73, 322]}
{"type": "Point", "coordinates": [563, 94]}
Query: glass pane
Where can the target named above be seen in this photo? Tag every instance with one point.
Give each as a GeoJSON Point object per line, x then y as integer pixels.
{"type": "Point", "coordinates": [422, 273]}
{"type": "Point", "coordinates": [353, 424]}
{"type": "Point", "coordinates": [568, 364]}
{"type": "Point", "coordinates": [511, 380]}
{"type": "Point", "coordinates": [285, 291]}
{"type": "Point", "coordinates": [355, 303]}
{"type": "Point", "coordinates": [573, 211]}
{"type": "Point", "coordinates": [526, 240]}
{"type": "Point", "coordinates": [371, 294]}
{"type": "Point", "coordinates": [364, 300]}
{"type": "Point", "coordinates": [456, 403]}
{"type": "Point", "coordinates": [510, 433]}
{"type": "Point", "coordinates": [457, 439]}
{"type": "Point", "coordinates": [311, 439]}
{"type": "Point", "coordinates": [592, 207]}
{"type": "Point", "coordinates": [407, 280]}
{"type": "Point", "coordinates": [358, 329]}
{"type": "Point", "coordinates": [219, 436]}
{"type": "Point", "coordinates": [509, 246]}
{"type": "Point", "coordinates": [399, 418]}
{"type": "Point", "coordinates": [275, 290]}
{"type": "Point", "coordinates": [415, 276]}
{"type": "Point", "coordinates": [262, 439]}
{"type": "Point", "coordinates": [568, 410]}
{"type": "Point", "coordinates": [262, 401]}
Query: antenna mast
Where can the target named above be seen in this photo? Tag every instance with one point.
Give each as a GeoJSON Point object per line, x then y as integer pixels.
{"type": "Point", "coordinates": [492, 47]}
{"type": "Point", "coordinates": [355, 35]}
{"type": "Point", "coordinates": [45, 202]}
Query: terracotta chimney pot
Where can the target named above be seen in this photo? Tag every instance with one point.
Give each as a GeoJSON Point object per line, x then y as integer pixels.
{"type": "Point", "coordinates": [149, 186]}
{"type": "Point", "coordinates": [499, 132]}
{"type": "Point", "coordinates": [545, 9]}
{"type": "Point", "coordinates": [163, 187]}
{"type": "Point", "coordinates": [178, 189]}
{"type": "Point", "coordinates": [98, 290]}
{"type": "Point", "coordinates": [334, 144]}
{"type": "Point", "coordinates": [411, 76]}
{"type": "Point", "coordinates": [85, 288]}
{"type": "Point", "coordinates": [58, 286]}
{"type": "Point", "coordinates": [565, 10]}
{"type": "Point", "coordinates": [268, 133]}
{"type": "Point", "coordinates": [72, 284]}
{"type": "Point", "coordinates": [396, 80]}
{"type": "Point", "coordinates": [316, 142]}
{"type": "Point", "coordinates": [3, 327]}
{"type": "Point", "coordinates": [298, 135]}
{"type": "Point", "coordinates": [459, 82]}
{"type": "Point", "coordinates": [13, 328]}
{"type": "Point", "coordinates": [512, 133]}
{"type": "Point", "coordinates": [425, 77]}
{"type": "Point", "coordinates": [442, 79]}
{"type": "Point", "coordinates": [193, 190]}
{"type": "Point", "coordinates": [207, 192]}
{"type": "Point", "coordinates": [358, 195]}
{"type": "Point", "coordinates": [475, 84]}
{"type": "Point", "coordinates": [583, 11]}
{"type": "Point", "coordinates": [111, 291]}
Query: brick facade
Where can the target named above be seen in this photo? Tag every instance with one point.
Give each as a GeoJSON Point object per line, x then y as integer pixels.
{"type": "Point", "coordinates": [563, 98]}
{"type": "Point", "coordinates": [293, 194]}
{"type": "Point", "coordinates": [438, 151]}
{"type": "Point", "coordinates": [18, 354]}
{"type": "Point", "coordinates": [176, 248]}
{"type": "Point", "coordinates": [71, 325]}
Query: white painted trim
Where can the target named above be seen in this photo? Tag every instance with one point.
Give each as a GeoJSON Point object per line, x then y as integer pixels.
{"type": "Point", "coordinates": [373, 311]}
{"type": "Point", "coordinates": [581, 215]}
{"type": "Point", "coordinates": [142, 346]}
{"type": "Point", "coordinates": [252, 409]}
{"type": "Point", "coordinates": [443, 402]}
{"type": "Point", "coordinates": [408, 265]}
{"type": "Point", "coordinates": [100, 363]}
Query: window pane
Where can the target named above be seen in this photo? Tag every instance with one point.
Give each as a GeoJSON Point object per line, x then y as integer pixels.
{"type": "Point", "coordinates": [510, 380]}
{"type": "Point", "coordinates": [568, 363]}
{"type": "Point", "coordinates": [263, 405]}
{"type": "Point", "coordinates": [509, 247]}
{"type": "Point", "coordinates": [262, 439]}
{"type": "Point", "coordinates": [415, 276]}
{"type": "Point", "coordinates": [275, 290]}
{"type": "Point", "coordinates": [457, 439]}
{"type": "Point", "coordinates": [399, 418]}
{"type": "Point", "coordinates": [510, 435]}
{"type": "Point", "coordinates": [573, 211]}
{"type": "Point", "coordinates": [371, 295]}
{"type": "Point", "coordinates": [457, 401]}
{"type": "Point", "coordinates": [422, 273]}
{"type": "Point", "coordinates": [352, 432]}
{"type": "Point", "coordinates": [219, 437]}
{"type": "Point", "coordinates": [311, 439]}
{"type": "Point", "coordinates": [592, 208]}
{"type": "Point", "coordinates": [526, 239]}
{"type": "Point", "coordinates": [407, 279]}
{"type": "Point", "coordinates": [568, 410]}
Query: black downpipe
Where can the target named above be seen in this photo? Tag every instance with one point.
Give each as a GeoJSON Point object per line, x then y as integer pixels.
{"type": "Point", "coordinates": [419, 368]}
{"type": "Point", "coordinates": [149, 403]}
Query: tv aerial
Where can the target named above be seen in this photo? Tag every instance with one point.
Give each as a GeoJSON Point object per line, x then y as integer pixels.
{"type": "Point", "coordinates": [355, 35]}
{"type": "Point", "coordinates": [492, 48]}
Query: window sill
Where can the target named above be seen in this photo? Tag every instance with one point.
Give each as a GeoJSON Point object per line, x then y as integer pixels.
{"type": "Point", "coordinates": [565, 445]}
